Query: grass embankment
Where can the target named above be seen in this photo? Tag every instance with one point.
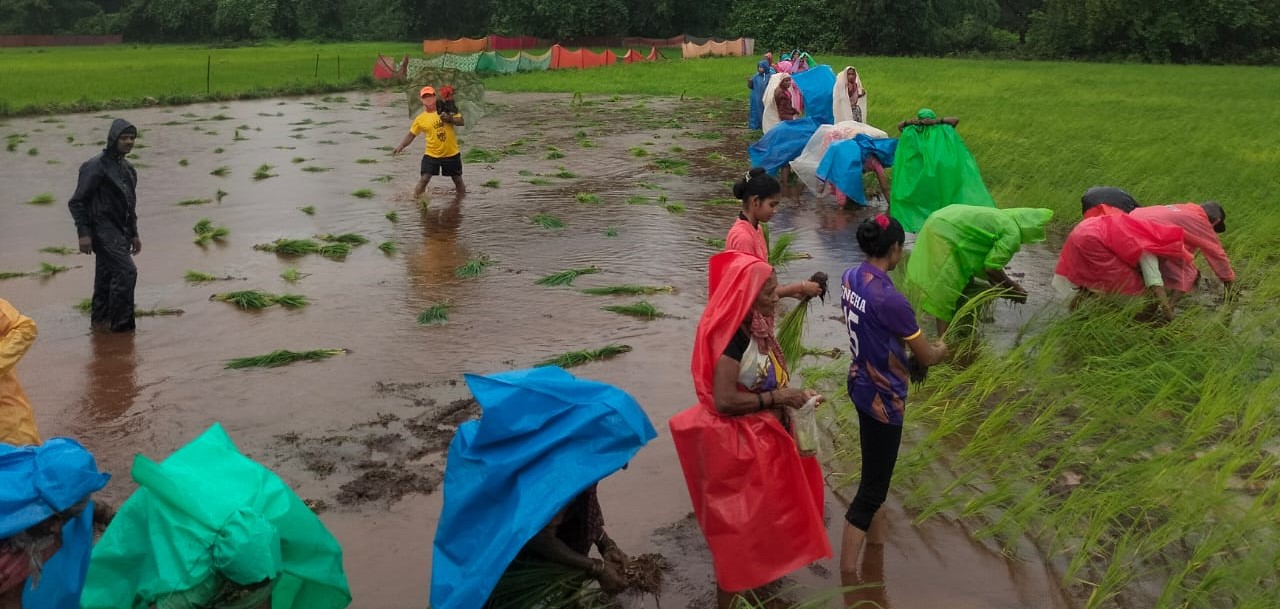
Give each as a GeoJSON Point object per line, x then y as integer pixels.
{"type": "Point", "coordinates": [1147, 457]}
{"type": "Point", "coordinates": [63, 79]}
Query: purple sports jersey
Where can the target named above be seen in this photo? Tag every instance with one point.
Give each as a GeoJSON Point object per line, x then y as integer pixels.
{"type": "Point", "coordinates": [880, 321]}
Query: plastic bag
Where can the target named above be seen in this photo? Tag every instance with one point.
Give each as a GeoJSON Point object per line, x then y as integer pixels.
{"type": "Point", "coordinates": [804, 427]}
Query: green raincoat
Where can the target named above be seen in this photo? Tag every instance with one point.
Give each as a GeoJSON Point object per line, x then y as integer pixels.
{"type": "Point", "coordinates": [931, 170]}
{"type": "Point", "coordinates": [958, 243]}
{"type": "Point", "coordinates": [206, 515]}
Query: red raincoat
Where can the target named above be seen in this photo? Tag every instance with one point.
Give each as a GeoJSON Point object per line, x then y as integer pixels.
{"type": "Point", "coordinates": [743, 237]}
{"type": "Point", "coordinates": [1102, 251]}
{"type": "Point", "coordinates": [758, 502]}
{"type": "Point", "coordinates": [1198, 235]}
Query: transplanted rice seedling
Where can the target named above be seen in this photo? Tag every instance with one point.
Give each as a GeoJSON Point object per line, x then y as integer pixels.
{"type": "Point", "coordinates": [263, 172]}
{"type": "Point", "coordinates": [85, 306]}
{"type": "Point", "coordinates": [492, 184]}
{"type": "Point", "coordinates": [675, 208]}
{"type": "Point", "coordinates": [480, 155]}
{"type": "Point", "coordinates": [724, 202]}
{"type": "Point", "coordinates": [628, 290]}
{"type": "Point", "coordinates": [525, 172]}
{"type": "Point", "coordinates": [567, 276]}
{"type": "Point", "coordinates": [237, 137]}
{"type": "Point", "coordinates": [554, 153]}
{"type": "Point", "coordinates": [539, 182]}
{"type": "Point", "coordinates": [434, 315]}
{"type": "Point", "coordinates": [221, 171]}
{"type": "Point", "coordinates": [57, 249]}
{"type": "Point", "coordinates": [637, 200]}
{"type": "Point", "coordinates": [564, 173]}
{"type": "Point", "coordinates": [290, 247]}
{"type": "Point", "coordinates": [678, 167]}
{"type": "Point", "coordinates": [642, 309]}
{"type": "Point", "coordinates": [352, 238]}
{"type": "Point", "coordinates": [473, 268]}
{"type": "Point", "coordinates": [713, 242]}
{"type": "Point", "coordinates": [715, 157]}
{"type": "Point", "coordinates": [282, 357]}
{"type": "Point", "coordinates": [218, 196]}
{"type": "Point", "coordinates": [44, 198]}
{"type": "Point", "coordinates": [383, 179]}
{"type": "Point", "coordinates": [205, 232]}
{"type": "Point", "coordinates": [218, 151]}
{"type": "Point", "coordinates": [586, 197]}
{"type": "Point", "coordinates": [548, 221]}
{"type": "Point", "coordinates": [388, 247]}
{"type": "Point", "coordinates": [366, 161]}
{"type": "Point", "coordinates": [578, 358]}
{"type": "Point", "coordinates": [639, 152]}
{"type": "Point", "coordinates": [183, 162]}
{"type": "Point", "coordinates": [392, 216]}
{"type": "Point", "coordinates": [310, 210]}
{"type": "Point", "coordinates": [363, 193]}
{"type": "Point", "coordinates": [316, 169]}
{"type": "Point", "coordinates": [190, 202]}
{"type": "Point", "coordinates": [49, 270]}
{"type": "Point", "coordinates": [676, 149]}
{"type": "Point", "coordinates": [33, 152]}
{"type": "Point", "coordinates": [292, 275]}
{"type": "Point", "coordinates": [649, 185]}
{"type": "Point", "coordinates": [611, 231]}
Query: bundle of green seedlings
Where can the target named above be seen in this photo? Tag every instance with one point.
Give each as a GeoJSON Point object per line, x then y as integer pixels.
{"type": "Point", "coordinates": [536, 583]}
{"type": "Point", "coordinates": [473, 267]}
{"type": "Point", "coordinates": [205, 232]}
{"type": "Point", "coordinates": [548, 221]}
{"type": "Point", "coordinates": [586, 356]}
{"type": "Point", "coordinates": [44, 198]}
{"type": "Point", "coordinates": [45, 270]}
{"type": "Point", "coordinates": [567, 276]}
{"type": "Point", "coordinates": [388, 247]}
{"type": "Point", "coordinates": [199, 277]}
{"type": "Point", "coordinates": [57, 249]}
{"type": "Point", "coordinates": [282, 357]}
{"type": "Point", "coordinates": [780, 253]}
{"type": "Point", "coordinates": [263, 172]}
{"type": "Point", "coordinates": [302, 247]}
{"type": "Point", "coordinates": [348, 238]}
{"type": "Point", "coordinates": [642, 309]}
{"type": "Point", "coordinates": [629, 290]}
{"type": "Point", "coordinates": [435, 314]}
{"type": "Point", "coordinates": [257, 299]}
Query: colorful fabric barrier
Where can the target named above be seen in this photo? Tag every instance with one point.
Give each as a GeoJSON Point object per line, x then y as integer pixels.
{"type": "Point", "coordinates": [634, 41]}
{"type": "Point", "coordinates": [726, 48]}
{"type": "Point", "coordinates": [491, 62]}
{"type": "Point", "coordinates": [459, 46]}
{"type": "Point", "coordinates": [511, 43]}
{"type": "Point", "coordinates": [545, 436]}
{"type": "Point", "coordinates": [386, 68]}
{"type": "Point", "coordinates": [582, 58]}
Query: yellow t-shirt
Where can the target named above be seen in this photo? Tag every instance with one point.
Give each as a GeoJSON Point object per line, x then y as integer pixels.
{"type": "Point", "coordinates": [442, 141]}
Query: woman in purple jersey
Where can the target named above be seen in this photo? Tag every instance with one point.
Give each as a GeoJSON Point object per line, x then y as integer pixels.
{"type": "Point", "coordinates": [881, 325]}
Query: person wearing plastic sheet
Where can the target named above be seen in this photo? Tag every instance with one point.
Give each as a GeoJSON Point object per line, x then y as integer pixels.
{"type": "Point", "coordinates": [442, 155]}
{"type": "Point", "coordinates": [932, 168]}
{"type": "Point", "coordinates": [17, 334]}
{"type": "Point", "coordinates": [758, 502]}
{"type": "Point", "coordinates": [849, 98]}
{"type": "Point", "coordinates": [881, 326]}
{"type": "Point", "coordinates": [104, 208]}
{"type": "Point", "coordinates": [958, 243]}
{"type": "Point", "coordinates": [1112, 252]}
{"type": "Point", "coordinates": [758, 83]}
{"type": "Point", "coordinates": [1200, 224]}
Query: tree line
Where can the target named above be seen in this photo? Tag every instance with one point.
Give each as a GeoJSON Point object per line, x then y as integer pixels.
{"type": "Point", "coordinates": [1235, 31]}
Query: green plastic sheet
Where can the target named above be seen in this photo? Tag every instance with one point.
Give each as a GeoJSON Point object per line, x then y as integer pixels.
{"type": "Point", "coordinates": [931, 170]}
{"type": "Point", "coordinates": [206, 515]}
{"type": "Point", "coordinates": [959, 242]}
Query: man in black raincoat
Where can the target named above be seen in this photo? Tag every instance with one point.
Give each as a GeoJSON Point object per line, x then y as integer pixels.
{"type": "Point", "coordinates": [104, 208]}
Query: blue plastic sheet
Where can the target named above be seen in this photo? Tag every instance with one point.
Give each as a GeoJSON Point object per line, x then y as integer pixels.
{"type": "Point", "coordinates": [842, 163]}
{"type": "Point", "coordinates": [544, 437]}
{"type": "Point", "coordinates": [816, 85]}
{"type": "Point", "coordinates": [782, 144]}
{"type": "Point", "coordinates": [37, 482]}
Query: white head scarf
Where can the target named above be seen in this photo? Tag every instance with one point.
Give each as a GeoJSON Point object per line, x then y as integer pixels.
{"type": "Point", "coordinates": [771, 118]}
{"type": "Point", "coordinates": [840, 106]}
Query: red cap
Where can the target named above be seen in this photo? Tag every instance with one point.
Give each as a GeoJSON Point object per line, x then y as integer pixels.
{"type": "Point", "coordinates": [427, 90]}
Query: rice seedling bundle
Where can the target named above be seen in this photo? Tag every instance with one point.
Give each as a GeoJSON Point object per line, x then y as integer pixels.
{"type": "Point", "coordinates": [247, 299]}
{"type": "Point", "coordinates": [183, 163]}
{"type": "Point", "coordinates": [435, 314]}
{"type": "Point", "coordinates": [290, 247]}
{"type": "Point", "coordinates": [263, 172]}
{"type": "Point", "coordinates": [392, 216]}
{"type": "Point", "coordinates": [334, 251]}
{"type": "Point", "coordinates": [282, 357]}
{"type": "Point", "coordinates": [13, 274]}
{"type": "Point", "coordinates": [59, 250]}
{"type": "Point", "coordinates": [85, 306]}
{"type": "Point", "coordinates": [713, 242]}
{"type": "Point", "coordinates": [190, 202]}
{"type": "Point", "coordinates": [642, 309]}
{"type": "Point", "coordinates": [351, 238]}
{"type": "Point", "coordinates": [221, 171]}
{"type": "Point", "coordinates": [548, 221]}
{"type": "Point", "coordinates": [366, 161]}
{"type": "Point", "coordinates": [157, 312]}
{"type": "Point", "coordinates": [492, 184]}
{"type": "Point", "coordinates": [292, 275]}
{"type": "Point", "coordinates": [363, 193]}
{"type": "Point", "coordinates": [546, 585]}
{"type": "Point", "coordinates": [198, 277]}
{"type": "Point", "coordinates": [388, 247]}
{"type": "Point", "coordinates": [473, 268]}
{"type": "Point", "coordinates": [628, 290]}
{"type": "Point", "coordinates": [310, 210]}
{"type": "Point", "coordinates": [578, 358]}
{"type": "Point", "coordinates": [566, 276]}
{"type": "Point", "coordinates": [480, 155]}
{"type": "Point", "coordinates": [675, 208]}
{"type": "Point", "coordinates": [298, 159]}
{"type": "Point", "coordinates": [791, 332]}
{"type": "Point", "coordinates": [219, 195]}
{"type": "Point", "coordinates": [586, 197]}
{"type": "Point", "coordinates": [49, 270]}
{"type": "Point", "coordinates": [780, 253]}
{"type": "Point", "coordinates": [44, 198]}
{"type": "Point", "coordinates": [316, 169]}
{"type": "Point", "coordinates": [292, 301]}
{"type": "Point", "coordinates": [205, 232]}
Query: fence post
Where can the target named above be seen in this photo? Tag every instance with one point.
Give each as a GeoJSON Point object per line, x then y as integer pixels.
{"type": "Point", "coordinates": [339, 68]}
{"type": "Point", "coordinates": [208, 74]}
{"type": "Point", "coordinates": [317, 76]}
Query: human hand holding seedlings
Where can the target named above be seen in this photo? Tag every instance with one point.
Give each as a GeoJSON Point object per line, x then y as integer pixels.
{"type": "Point", "coordinates": [609, 575]}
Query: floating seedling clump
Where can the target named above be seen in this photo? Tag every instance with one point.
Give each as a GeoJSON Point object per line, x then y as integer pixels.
{"type": "Point", "coordinates": [263, 172]}
{"type": "Point", "coordinates": [628, 290]}
{"type": "Point", "coordinates": [578, 358]}
{"type": "Point", "coordinates": [567, 276]}
{"type": "Point", "coordinates": [44, 198]}
{"type": "Point", "coordinates": [642, 309]}
{"type": "Point", "coordinates": [59, 250]}
{"type": "Point", "coordinates": [363, 193]}
{"type": "Point", "coordinates": [435, 314]}
{"type": "Point", "coordinates": [221, 171]}
{"type": "Point", "coordinates": [282, 357]}
{"type": "Point", "coordinates": [257, 299]}
{"type": "Point", "coordinates": [548, 221]}
{"type": "Point", "coordinates": [586, 197]}
{"type": "Point", "coordinates": [350, 238]}
{"type": "Point", "coordinates": [205, 232]}
{"type": "Point", "coordinates": [492, 184]}
{"type": "Point", "coordinates": [392, 216]}
{"type": "Point", "coordinates": [473, 268]}
{"type": "Point", "coordinates": [388, 247]}
{"type": "Point", "coordinates": [190, 202]}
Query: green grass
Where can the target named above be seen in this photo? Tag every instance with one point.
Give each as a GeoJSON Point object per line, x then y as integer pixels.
{"type": "Point", "coordinates": [566, 276]}
{"type": "Point", "coordinates": [282, 357]}
{"type": "Point", "coordinates": [363, 193]}
{"type": "Point", "coordinates": [190, 202]}
{"type": "Point", "coordinates": [44, 198]}
{"type": "Point", "coordinates": [58, 249]}
{"type": "Point", "coordinates": [473, 268]}
{"type": "Point", "coordinates": [548, 221]}
{"type": "Point", "coordinates": [84, 78]}
{"type": "Point", "coordinates": [434, 315]}
{"type": "Point", "coordinates": [642, 309]}
{"type": "Point", "coordinates": [586, 356]}
{"type": "Point", "coordinates": [629, 290]}
{"type": "Point", "coordinates": [263, 172]}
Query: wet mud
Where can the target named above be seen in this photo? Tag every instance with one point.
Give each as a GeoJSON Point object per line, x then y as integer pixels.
{"type": "Point", "coordinates": [363, 437]}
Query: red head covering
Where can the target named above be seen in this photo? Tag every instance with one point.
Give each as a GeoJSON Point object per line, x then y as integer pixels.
{"type": "Point", "coordinates": [446, 92]}
{"type": "Point", "coordinates": [735, 279]}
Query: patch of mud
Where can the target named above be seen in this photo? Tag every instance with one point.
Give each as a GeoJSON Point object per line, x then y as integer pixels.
{"type": "Point", "coordinates": [389, 484]}
{"type": "Point", "coordinates": [691, 571]}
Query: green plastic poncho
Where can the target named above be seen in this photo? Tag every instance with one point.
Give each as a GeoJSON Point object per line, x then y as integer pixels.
{"type": "Point", "coordinates": [931, 170]}
{"type": "Point", "coordinates": [960, 241]}
{"type": "Point", "coordinates": [206, 515]}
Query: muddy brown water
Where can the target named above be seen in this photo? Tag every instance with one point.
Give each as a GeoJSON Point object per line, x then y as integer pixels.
{"type": "Point", "coordinates": [361, 436]}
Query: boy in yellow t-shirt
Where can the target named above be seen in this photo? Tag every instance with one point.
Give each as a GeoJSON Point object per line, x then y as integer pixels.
{"type": "Point", "coordinates": [442, 156]}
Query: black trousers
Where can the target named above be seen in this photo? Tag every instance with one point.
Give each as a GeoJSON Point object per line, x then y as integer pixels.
{"type": "Point", "coordinates": [114, 278]}
{"type": "Point", "coordinates": [880, 442]}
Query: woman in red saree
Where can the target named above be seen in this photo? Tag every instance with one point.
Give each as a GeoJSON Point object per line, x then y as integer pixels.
{"type": "Point", "coordinates": [758, 502]}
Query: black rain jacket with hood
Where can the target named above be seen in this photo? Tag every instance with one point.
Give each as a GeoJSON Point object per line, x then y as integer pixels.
{"type": "Point", "coordinates": [106, 196]}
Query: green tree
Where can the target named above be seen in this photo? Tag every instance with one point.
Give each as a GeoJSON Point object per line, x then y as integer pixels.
{"type": "Point", "coordinates": [805, 24]}
{"type": "Point", "coordinates": [44, 16]}
{"type": "Point", "coordinates": [560, 20]}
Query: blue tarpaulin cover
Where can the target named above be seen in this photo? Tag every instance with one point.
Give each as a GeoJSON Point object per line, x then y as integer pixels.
{"type": "Point", "coordinates": [816, 85]}
{"type": "Point", "coordinates": [544, 437]}
{"type": "Point", "coordinates": [37, 482]}
{"type": "Point", "coordinates": [782, 144]}
{"type": "Point", "coordinates": [842, 164]}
